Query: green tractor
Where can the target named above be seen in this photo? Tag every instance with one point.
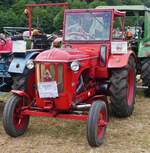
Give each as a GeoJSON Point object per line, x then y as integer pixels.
{"type": "Point", "coordinates": [137, 22]}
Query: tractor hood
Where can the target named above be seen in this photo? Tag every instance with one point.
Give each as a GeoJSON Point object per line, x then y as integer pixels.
{"type": "Point", "coordinates": [65, 55]}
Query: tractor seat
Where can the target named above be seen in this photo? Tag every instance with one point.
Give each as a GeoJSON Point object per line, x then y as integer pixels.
{"type": "Point", "coordinates": [40, 42]}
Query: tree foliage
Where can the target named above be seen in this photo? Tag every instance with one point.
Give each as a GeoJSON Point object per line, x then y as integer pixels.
{"type": "Point", "coordinates": [49, 19]}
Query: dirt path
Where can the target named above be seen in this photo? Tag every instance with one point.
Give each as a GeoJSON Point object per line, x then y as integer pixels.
{"type": "Point", "coordinates": [131, 135]}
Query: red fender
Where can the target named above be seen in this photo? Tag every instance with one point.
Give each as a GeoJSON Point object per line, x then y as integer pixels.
{"type": "Point", "coordinates": [120, 60]}
{"type": "Point", "coordinates": [21, 94]}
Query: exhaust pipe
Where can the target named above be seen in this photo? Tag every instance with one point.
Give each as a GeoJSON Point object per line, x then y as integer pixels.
{"type": "Point", "coordinates": [82, 107]}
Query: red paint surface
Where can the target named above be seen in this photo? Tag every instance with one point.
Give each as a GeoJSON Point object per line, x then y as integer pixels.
{"type": "Point", "coordinates": [6, 48]}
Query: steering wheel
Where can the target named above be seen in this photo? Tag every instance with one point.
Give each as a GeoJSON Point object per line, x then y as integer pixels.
{"type": "Point", "coordinates": [83, 34]}
{"type": "Point", "coordinates": [77, 33]}
{"type": "Point", "coordinates": [2, 42]}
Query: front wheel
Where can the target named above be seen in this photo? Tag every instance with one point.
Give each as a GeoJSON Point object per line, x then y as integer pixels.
{"type": "Point", "coordinates": [97, 123]}
{"type": "Point", "coordinates": [15, 123]}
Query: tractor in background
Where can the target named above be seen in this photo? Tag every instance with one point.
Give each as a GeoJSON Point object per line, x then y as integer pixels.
{"type": "Point", "coordinates": [5, 60]}
{"type": "Point", "coordinates": [25, 47]}
{"type": "Point", "coordinates": [74, 81]}
{"type": "Point", "coordinates": [137, 23]}
{"type": "Point", "coordinates": [15, 33]}
{"type": "Point", "coordinates": [10, 41]}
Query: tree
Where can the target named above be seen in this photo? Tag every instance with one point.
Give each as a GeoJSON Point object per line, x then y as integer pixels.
{"type": "Point", "coordinates": [77, 4]}
{"type": "Point", "coordinates": [97, 3]}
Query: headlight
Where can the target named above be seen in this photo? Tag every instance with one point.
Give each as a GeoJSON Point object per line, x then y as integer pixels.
{"type": "Point", "coordinates": [75, 65]}
{"type": "Point", "coordinates": [30, 64]}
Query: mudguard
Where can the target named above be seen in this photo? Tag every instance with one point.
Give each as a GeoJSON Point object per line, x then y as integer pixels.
{"type": "Point", "coordinates": [21, 94]}
{"type": "Point", "coordinates": [120, 60]}
{"type": "Point", "coordinates": [18, 64]}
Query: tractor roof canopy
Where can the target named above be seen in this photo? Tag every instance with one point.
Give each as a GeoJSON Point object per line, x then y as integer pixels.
{"type": "Point", "coordinates": [14, 30]}
{"type": "Point", "coordinates": [130, 9]}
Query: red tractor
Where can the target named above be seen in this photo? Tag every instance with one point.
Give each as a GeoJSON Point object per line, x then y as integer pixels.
{"type": "Point", "coordinates": [73, 82]}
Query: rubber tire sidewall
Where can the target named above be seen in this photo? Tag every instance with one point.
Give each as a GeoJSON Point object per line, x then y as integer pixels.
{"type": "Point", "coordinates": [8, 118]}
{"type": "Point", "coordinates": [119, 91]}
{"type": "Point", "coordinates": [95, 109]}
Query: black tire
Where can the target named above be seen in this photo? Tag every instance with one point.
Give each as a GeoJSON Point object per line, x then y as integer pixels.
{"type": "Point", "coordinates": [14, 124]}
{"type": "Point", "coordinates": [122, 93]}
{"type": "Point", "coordinates": [5, 84]}
{"type": "Point", "coordinates": [146, 76]}
{"type": "Point", "coordinates": [94, 116]}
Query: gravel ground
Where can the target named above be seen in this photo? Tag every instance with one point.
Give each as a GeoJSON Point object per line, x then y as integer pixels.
{"type": "Point", "coordinates": [130, 135]}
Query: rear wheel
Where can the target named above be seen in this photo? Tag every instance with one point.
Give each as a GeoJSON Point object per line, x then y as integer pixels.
{"type": "Point", "coordinates": [122, 89]}
{"type": "Point", "coordinates": [146, 76]}
{"type": "Point", "coordinates": [15, 123]}
{"type": "Point", "coordinates": [97, 123]}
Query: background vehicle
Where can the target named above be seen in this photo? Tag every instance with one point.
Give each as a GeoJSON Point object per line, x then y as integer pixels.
{"type": "Point", "coordinates": [34, 41]}
{"type": "Point", "coordinates": [137, 22]}
{"type": "Point", "coordinates": [16, 33]}
{"type": "Point", "coordinates": [74, 81]}
{"type": "Point", "coordinates": [9, 41]}
{"type": "Point", "coordinates": [5, 59]}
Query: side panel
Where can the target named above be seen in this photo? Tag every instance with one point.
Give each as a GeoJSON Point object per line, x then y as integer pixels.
{"type": "Point", "coordinates": [146, 26]}
{"type": "Point", "coordinates": [144, 46]}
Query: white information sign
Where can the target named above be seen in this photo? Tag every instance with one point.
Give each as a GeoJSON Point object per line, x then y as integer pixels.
{"type": "Point", "coordinates": [119, 47]}
{"type": "Point", "coordinates": [19, 46]}
{"type": "Point", "coordinates": [48, 89]}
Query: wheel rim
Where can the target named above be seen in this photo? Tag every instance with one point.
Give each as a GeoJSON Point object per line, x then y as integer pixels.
{"type": "Point", "coordinates": [19, 120]}
{"type": "Point", "coordinates": [131, 83]}
{"type": "Point", "coordinates": [102, 123]}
